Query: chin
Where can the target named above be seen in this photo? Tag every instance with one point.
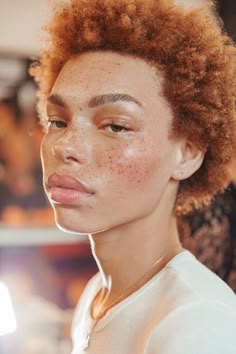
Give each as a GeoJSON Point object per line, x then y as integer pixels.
{"type": "Point", "coordinates": [70, 227]}
{"type": "Point", "coordinates": [79, 231]}
{"type": "Point", "coordinates": [77, 226]}
{"type": "Point", "coordinates": [86, 222]}
{"type": "Point", "coordinates": [70, 230]}
{"type": "Point", "coordinates": [69, 220]}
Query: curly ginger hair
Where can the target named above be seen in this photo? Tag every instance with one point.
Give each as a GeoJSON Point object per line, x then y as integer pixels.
{"type": "Point", "coordinates": [195, 55]}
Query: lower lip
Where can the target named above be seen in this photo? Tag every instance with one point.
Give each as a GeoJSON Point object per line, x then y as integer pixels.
{"type": "Point", "coordinates": [67, 196]}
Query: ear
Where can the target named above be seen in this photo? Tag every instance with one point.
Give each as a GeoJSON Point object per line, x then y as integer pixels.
{"type": "Point", "coordinates": [188, 160]}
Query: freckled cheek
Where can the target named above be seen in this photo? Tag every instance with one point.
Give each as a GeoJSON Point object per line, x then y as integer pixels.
{"type": "Point", "coordinates": [134, 167]}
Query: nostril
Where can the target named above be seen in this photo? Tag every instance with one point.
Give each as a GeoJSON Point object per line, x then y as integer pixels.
{"type": "Point", "coordinates": [71, 158]}
{"type": "Point", "coordinates": [64, 154]}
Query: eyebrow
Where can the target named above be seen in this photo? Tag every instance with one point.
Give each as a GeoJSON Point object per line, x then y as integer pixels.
{"type": "Point", "coordinates": [57, 100]}
{"type": "Point", "coordinates": [97, 100]}
{"type": "Point", "coordinates": [112, 98]}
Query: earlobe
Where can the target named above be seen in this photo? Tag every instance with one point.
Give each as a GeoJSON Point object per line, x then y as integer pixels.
{"type": "Point", "coordinates": [188, 160]}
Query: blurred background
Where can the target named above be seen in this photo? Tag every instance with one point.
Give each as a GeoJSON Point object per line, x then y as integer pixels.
{"type": "Point", "coordinates": [44, 269]}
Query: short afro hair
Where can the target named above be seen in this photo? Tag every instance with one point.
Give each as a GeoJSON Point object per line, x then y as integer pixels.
{"type": "Point", "coordinates": [193, 52]}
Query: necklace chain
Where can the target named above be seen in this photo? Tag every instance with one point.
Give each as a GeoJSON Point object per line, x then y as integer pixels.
{"type": "Point", "coordinates": [104, 292]}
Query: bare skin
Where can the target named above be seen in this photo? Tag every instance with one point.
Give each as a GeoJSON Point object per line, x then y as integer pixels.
{"type": "Point", "coordinates": [109, 128]}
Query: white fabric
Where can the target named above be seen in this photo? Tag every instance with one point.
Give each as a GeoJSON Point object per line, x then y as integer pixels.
{"type": "Point", "coordinates": [184, 309]}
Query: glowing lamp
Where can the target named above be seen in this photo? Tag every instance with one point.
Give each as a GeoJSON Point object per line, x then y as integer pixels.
{"type": "Point", "coordinates": [7, 316]}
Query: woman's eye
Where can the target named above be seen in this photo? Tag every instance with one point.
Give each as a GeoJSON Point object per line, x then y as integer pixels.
{"type": "Point", "coordinates": [117, 128]}
{"type": "Point", "coordinates": [56, 124]}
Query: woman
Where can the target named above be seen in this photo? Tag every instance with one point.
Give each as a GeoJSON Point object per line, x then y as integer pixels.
{"type": "Point", "coordinates": [139, 131]}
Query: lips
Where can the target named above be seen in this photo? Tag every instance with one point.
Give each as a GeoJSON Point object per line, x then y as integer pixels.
{"type": "Point", "coordinates": [64, 189]}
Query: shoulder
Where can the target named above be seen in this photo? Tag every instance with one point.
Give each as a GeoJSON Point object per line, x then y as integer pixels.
{"type": "Point", "coordinates": [188, 275]}
{"type": "Point", "coordinates": [203, 327]}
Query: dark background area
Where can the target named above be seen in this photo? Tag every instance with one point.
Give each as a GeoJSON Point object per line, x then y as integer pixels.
{"type": "Point", "coordinates": [227, 11]}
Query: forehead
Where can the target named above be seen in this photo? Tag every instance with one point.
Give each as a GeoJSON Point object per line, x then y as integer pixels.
{"type": "Point", "coordinates": [107, 72]}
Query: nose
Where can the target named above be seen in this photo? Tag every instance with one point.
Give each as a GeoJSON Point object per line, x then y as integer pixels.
{"type": "Point", "coordinates": [72, 147]}
{"type": "Point", "coordinates": [65, 154]}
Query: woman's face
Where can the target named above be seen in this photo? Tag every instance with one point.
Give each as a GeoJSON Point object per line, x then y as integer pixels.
{"type": "Point", "coordinates": [107, 156]}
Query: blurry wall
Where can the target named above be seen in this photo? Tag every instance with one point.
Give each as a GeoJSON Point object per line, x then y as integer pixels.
{"type": "Point", "coordinates": [21, 20]}
{"type": "Point", "coordinates": [20, 24]}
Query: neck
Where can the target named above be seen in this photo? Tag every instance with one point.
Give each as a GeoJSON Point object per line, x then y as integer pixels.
{"type": "Point", "coordinates": [126, 254]}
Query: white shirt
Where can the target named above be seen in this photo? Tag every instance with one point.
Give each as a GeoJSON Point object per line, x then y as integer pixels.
{"type": "Point", "coordinates": [184, 309]}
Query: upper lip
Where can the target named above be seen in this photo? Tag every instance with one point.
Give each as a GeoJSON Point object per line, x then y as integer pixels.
{"type": "Point", "coordinates": [66, 182]}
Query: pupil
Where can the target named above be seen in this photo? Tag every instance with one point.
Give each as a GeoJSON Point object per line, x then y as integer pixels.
{"type": "Point", "coordinates": [116, 128]}
{"type": "Point", "coordinates": [60, 124]}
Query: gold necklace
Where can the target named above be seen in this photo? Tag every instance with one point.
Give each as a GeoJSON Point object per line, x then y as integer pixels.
{"type": "Point", "coordinates": [104, 292]}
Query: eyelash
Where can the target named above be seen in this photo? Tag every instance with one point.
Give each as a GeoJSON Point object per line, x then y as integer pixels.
{"type": "Point", "coordinates": [58, 123]}
{"type": "Point", "coordinates": [113, 127]}
{"type": "Point", "coordinates": [121, 128]}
